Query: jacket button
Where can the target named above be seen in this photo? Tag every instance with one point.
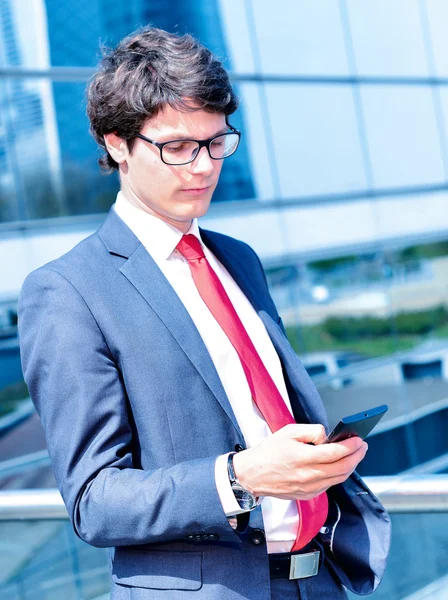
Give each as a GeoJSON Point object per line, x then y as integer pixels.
{"type": "Point", "coordinates": [213, 536]}
{"type": "Point", "coordinates": [257, 537]}
{"type": "Point", "coordinates": [238, 448]}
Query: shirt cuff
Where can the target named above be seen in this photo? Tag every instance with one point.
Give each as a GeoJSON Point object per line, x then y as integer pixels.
{"type": "Point", "coordinates": [226, 495]}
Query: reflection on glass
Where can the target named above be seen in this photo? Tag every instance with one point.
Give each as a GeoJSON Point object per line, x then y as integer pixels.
{"type": "Point", "coordinates": [373, 329]}
{"type": "Point", "coordinates": [403, 135]}
{"type": "Point", "coordinates": [375, 304]}
{"type": "Point", "coordinates": [12, 388]}
{"type": "Point", "coordinates": [385, 43]}
{"type": "Point", "coordinates": [45, 560]}
{"type": "Point", "coordinates": [316, 139]}
{"type": "Point", "coordinates": [437, 15]}
{"type": "Point", "coordinates": [418, 560]}
{"type": "Point", "coordinates": [314, 29]}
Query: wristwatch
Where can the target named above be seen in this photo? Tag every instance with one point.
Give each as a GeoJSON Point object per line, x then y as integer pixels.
{"type": "Point", "coordinates": [245, 499]}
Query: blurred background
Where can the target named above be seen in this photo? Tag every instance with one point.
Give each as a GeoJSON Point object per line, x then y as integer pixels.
{"type": "Point", "coordinates": [340, 185]}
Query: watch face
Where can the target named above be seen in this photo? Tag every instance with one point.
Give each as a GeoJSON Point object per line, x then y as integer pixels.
{"type": "Point", "coordinates": [244, 498]}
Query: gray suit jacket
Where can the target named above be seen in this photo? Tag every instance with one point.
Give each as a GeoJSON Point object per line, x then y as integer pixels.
{"type": "Point", "coordinates": [135, 416]}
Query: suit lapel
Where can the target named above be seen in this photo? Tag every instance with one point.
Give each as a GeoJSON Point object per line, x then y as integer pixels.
{"type": "Point", "coordinates": [144, 274]}
{"type": "Point", "coordinates": [231, 262]}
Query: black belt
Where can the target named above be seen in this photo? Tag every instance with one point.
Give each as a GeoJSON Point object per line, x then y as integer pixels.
{"type": "Point", "coordinates": [296, 565]}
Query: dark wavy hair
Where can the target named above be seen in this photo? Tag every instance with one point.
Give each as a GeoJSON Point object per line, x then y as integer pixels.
{"type": "Point", "coordinates": [148, 70]}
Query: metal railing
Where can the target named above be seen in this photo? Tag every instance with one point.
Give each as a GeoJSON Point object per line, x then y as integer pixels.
{"type": "Point", "coordinates": [399, 494]}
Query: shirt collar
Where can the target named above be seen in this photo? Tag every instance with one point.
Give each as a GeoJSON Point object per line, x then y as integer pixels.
{"type": "Point", "coordinates": [157, 236]}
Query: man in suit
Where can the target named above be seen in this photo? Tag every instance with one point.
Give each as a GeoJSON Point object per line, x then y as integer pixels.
{"type": "Point", "coordinates": [184, 433]}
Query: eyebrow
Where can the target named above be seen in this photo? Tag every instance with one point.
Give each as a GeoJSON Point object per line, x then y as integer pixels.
{"type": "Point", "coordinates": [174, 137]}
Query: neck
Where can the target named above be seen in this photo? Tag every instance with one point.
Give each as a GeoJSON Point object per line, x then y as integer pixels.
{"type": "Point", "coordinates": [131, 198]}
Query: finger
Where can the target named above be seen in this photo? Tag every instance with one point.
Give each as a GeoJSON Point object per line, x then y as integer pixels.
{"type": "Point", "coordinates": [308, 434]}
{"type": "Point", "coordinates": [348, 469]}
{"type": "Point", "coordinates": [335, 473]}
{"type": "Point", "coordinates": [348, 464]}
{"type": "Point", "coordinates": [341, 468]}
{"type": "Point", "coordinates": [329, 453]}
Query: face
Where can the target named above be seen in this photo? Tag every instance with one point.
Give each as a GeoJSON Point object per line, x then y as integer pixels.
{"type": "Point", "coordinates": [175, 194]}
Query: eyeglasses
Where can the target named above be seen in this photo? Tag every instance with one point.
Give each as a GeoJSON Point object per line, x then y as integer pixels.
{"type": "Point", "coordinates": [182, 152]}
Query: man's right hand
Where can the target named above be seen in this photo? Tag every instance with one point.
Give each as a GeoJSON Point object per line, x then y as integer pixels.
{"type": "Point", "coordinates": [295, 464]}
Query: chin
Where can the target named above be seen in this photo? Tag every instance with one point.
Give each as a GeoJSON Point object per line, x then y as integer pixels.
{"type": "Point", "coordinates": [198, 209]}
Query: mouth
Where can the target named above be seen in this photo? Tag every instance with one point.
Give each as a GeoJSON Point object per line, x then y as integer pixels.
{"type": "Point", "coordinates": [196, 191]}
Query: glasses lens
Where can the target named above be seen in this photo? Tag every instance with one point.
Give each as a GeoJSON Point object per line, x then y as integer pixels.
{"type": "Point", "coordinates": [179, 153]}
{"type": "Point", "coordinates": [224, 145]}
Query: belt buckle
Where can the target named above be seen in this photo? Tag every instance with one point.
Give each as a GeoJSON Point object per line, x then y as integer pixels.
{"type": "Point", "coordinates": [304, 565]}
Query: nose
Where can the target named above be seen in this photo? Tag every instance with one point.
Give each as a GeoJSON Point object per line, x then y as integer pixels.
{"type": "Point", "coordinates": [202, 163]}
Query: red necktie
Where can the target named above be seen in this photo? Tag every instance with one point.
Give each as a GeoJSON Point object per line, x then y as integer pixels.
{"type": "Point", "coordinates": [265, 394]}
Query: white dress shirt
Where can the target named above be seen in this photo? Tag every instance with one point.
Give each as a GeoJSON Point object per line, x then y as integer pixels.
{"type": "Point", "coordinates": [160, 240]}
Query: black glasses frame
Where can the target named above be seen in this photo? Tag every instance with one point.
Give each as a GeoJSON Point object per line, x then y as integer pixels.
{"type": "Point", "coordinates": [201, 144]}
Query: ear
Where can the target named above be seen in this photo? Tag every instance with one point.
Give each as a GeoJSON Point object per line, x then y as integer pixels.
{"type": "Point", "coordinates": [117, 147]}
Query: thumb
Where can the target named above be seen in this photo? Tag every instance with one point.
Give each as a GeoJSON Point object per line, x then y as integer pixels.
{"type": "Point", "coordinates": [308, 434]}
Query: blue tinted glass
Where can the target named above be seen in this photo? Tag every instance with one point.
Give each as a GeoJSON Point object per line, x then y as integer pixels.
{"type": "Point", "coordinates": [237, 29]}
{"type": "Point", "coordinates": [45, 559]}
{"type": "Point", "coordinates": [387, 37]}
{"type": "Point", "coordinates": [307, 37]}
{"type": "Point", "coordinates": [437, 15]}
{"type": "Point", "coordinates": [76, 27]}
{"type": "Point", "coordinates": [316, 139]}
{"type": "Point", "coordinates": [443, 94]}
{"type": "Point", "coordinates": [403, 136]}
{"type": "Point", "coordinates": [259, 148]}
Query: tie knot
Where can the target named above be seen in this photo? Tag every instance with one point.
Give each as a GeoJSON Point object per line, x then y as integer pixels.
{"type": "Point", "coordinates": [190, 247]}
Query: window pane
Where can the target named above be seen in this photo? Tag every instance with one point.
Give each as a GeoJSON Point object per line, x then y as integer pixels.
{"type": "Point", "coordinates": [51, 157]}
{"type": "Point", "coordinates": [45, 559]}
{"type": "Point", "coordinates": [8, 188]}
{"type": "Point", "coordinates": [237, 34]}
{"type": "Point", "coordinates": [316, 139]}
{"type": "Point", "coordinates": [403, 135]}
{"type": "Point", "coordinates": [387, 37]}
{"type": "Point", "coordinates": [300, 37]}
{"type": "Point", "coordinates": [255, 133]}
{"type": "Point", "coordinates": [31, 147]}
{"type": "Point", "coordinates": [235, 182]}
{"type": "Point", "coordinates": [76, 28]}
{"type": "Point", "coordinates": [416, 570]}
{"type": "Point", "coordinates": [24, 35]}
{"type": "Point", "coordinates": [437, 14]}
{"type": "Point", "coordinates": [443, 94]}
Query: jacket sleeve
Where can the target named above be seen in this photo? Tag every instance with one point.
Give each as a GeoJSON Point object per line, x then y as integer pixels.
{"type": "Point", "coordinates": [79, 394]}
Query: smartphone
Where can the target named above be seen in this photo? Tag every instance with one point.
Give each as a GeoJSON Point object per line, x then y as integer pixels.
{"type": "Point", "coordinates": [360, 424]}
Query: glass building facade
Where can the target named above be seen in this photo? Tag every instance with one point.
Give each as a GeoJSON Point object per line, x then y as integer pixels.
{"type": "Point", "coordinates": [340, 184]}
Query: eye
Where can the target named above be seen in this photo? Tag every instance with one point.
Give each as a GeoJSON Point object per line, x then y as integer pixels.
{"type": "Point", "coordinates": [218, 142]}
{"type": "Point", "coordinates": [177, 146]}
